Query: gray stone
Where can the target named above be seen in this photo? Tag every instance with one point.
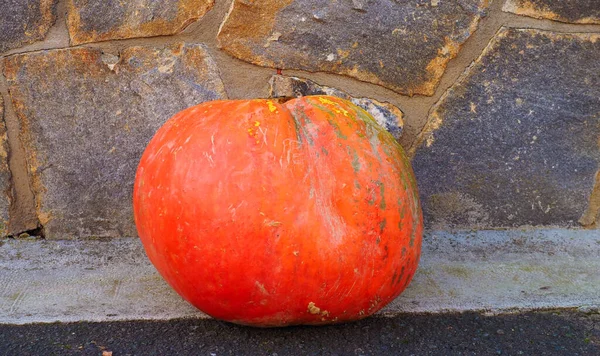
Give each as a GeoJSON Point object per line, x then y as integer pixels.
{"type": "Point", "coordinates": [386, 114]}
{"type": "Point", "coordinates": [402, 45]}
{"type": "Point", "coordinates": [25, 21]}
{"type": "Point", "coordinates": [86, 120]}
{"type": "Point", "coordinates": [5, 176]}
{"type": "Point", "coordinates": [572, 11]}
{"type": "Point", "coordinates": [102, 20]}
{"type": "Point", "coordinates": [515, 141]}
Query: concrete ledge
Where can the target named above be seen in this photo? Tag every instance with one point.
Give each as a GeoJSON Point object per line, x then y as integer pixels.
{"type": "Point", "coordinates": [495, 271]}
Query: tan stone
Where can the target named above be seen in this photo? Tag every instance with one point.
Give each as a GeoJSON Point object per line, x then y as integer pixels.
{"type": "Point", "coordinates": [404, 46]}
{"type": "Point", "coordinates": [572, 11]}
{"type": "Point", "coordinates": [86, 118]}
{"type": "Point", "coordinates": [25, 21]}
{"type": "Point", "coordinates": [5, 176]}
{"type": "Point", "coordinates": [102, 20]}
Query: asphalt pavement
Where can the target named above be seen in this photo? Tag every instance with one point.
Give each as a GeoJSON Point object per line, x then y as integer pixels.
{"type": "Point", "coordinates": [564, 332]}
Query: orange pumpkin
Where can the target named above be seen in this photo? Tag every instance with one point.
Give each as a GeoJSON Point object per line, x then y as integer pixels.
{"type": "Point", "coordinates": [270, 214]}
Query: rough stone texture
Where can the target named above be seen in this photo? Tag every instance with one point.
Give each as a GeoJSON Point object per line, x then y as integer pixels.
{"type": "Point", "coordinates": [402, 45]}
{"type": "Point", "coordinates": [516, 140]}
{"type": "Point", "coordinates": [25, 21]}
{"type": "Point", "coordinates": [86, 119]}
{"type": "Point", "coordinates": [5, 176]}
{"type": "Point", "coordinates": [577, 11]}
{"type": "Point", "coordinates": [101, 20]}
{"type": "Point", "coordinates": [386, 115]}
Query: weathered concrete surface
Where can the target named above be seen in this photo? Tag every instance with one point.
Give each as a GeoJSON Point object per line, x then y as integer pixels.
{"type": "Point", "coordinates": [102, 20]}
{"type": "Point", "coordinates": [515, 141]}
{"type": "Point", "coordinates": [5, 176]}
{"type": "Point", "coordinates": [578, 11]}
{"type": "Point", "coordinates": [25, 21]}
{"type": "Point", "coordinates": [45, 281]}
{"type": "Point", "coordinates": [386, 114]}
{"type": "Point", "coordinates": [86, 118]}
{"type": "Point", "coordinates": [402, 45]}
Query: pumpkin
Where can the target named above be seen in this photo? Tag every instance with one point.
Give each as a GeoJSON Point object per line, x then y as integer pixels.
{"type": "Point", "coordinates": [271, 214]}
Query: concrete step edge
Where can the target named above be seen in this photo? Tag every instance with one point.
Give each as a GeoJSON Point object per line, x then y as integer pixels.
{"type": "Point", "coordinates": [491, 271]}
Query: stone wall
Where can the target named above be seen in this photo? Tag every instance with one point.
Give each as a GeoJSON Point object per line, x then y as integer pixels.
{"type": "Point", "coordinates": [497, 102]}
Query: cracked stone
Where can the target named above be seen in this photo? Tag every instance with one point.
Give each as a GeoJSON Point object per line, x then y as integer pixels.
{"type": "Point", "coordinates": [386, 114]}
{"type": "Point", "coordinates": [577, 11]}
{"type": "Point", "coordinates": [5, 176]}
{"type": "Point", "coordinates": [95, 20]}
{"type": "Point", "coordinates": [404, 46]}
{"type": "Point", "coordinates": [86, 119]}
{"type": "Point", "coordinates": [515, 141]}
{"type": "Point", "coordinates": [25, 21]}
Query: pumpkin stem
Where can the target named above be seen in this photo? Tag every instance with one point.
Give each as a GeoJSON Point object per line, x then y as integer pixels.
{"type": "Point", "coordinates": [283, 99]}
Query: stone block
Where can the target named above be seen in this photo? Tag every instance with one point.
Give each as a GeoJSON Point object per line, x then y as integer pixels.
{"type": "Point", "coordinates": [573, 11]}
{"type": "Point", "coordinates": [386, 114]}
{"type": "Point", "coordinates": [515, 141]}
{"type": "Point", "coordinates": [25, 21]}
{"type": "Point", "coordinates": [86, 118]}
{"type": "Point", "coordinates": [401, 45]}
{"type": "Point", "coordinates": [5, 176]}
{"type": "Point", "coordinates": [102, 20]}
